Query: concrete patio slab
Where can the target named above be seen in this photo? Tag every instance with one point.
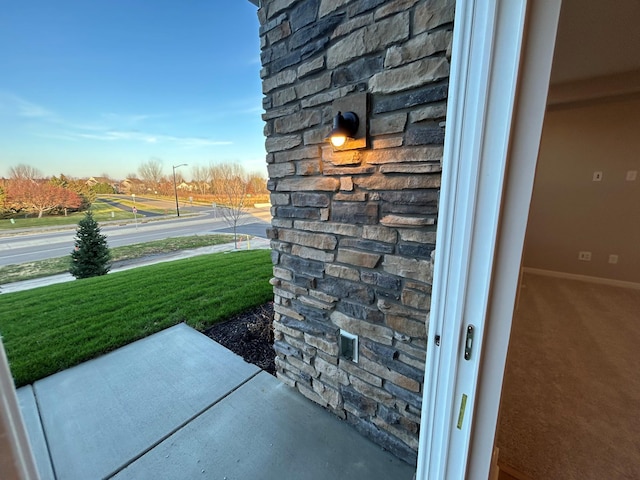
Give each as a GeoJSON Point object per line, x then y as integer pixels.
{"type": "Point", "coordinates": [103, 414]}
{"type": "Point", "coordinates": [266, 430]}
{"type": "Point", "coordinates": [31, 418]}
{"type": "Point", "coordinates": [178, 405]}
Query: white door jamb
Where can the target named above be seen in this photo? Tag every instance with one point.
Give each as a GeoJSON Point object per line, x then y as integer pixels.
{"type": "Point", "coordinates": [16, 459]}
{"type": "Point", "coordinates": [487, 47]}
{"type": "Point", "coordinates": [533, 86]}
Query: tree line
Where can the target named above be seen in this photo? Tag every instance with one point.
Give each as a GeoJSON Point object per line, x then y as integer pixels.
{"type": "Point", "coordinates": [227, 184]}
{"type": "Point", "coordinates": [27, 192]}
{"type": "Point", "coordinates": [210, 180]}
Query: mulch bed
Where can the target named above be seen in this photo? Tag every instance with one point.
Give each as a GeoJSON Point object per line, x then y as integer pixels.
{"type": "Point", "coordinates": [249, 335]}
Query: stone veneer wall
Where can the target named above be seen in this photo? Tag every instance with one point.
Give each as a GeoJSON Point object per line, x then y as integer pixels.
{"type": "Point", "coordinates": [353, 232]}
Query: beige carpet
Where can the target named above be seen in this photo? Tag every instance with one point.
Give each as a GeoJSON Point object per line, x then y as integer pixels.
{"type": "Point", "coordinates": [571, 395]}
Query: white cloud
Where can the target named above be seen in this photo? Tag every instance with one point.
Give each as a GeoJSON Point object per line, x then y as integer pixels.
{"type": "Point", "coordinates": [127, 119]}
{"type": "Point", "coordinates": [115, 135]}
{"type": "Point", "coordinates": [198, 142]}
{"type": "Point", "coordinates": [14, 105]}
{"type": "Point", "coordinates": [106, 127]}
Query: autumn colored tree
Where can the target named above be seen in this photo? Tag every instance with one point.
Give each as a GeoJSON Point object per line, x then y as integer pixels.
{"type": "Point", "coordinates": [87, 195]}
{"type": "Point", "coordinates": [31, 196]}
{"type": "Point", "coordinates": [215, 181]}
{"type": "Point", "coordinates": [91, 256]}
{"type": "Point", "coordinates": [165, 186]}
{"type": "Point", "coordinates": [257, 184]}
{"type": "Point", "coordinates": [3, 197]}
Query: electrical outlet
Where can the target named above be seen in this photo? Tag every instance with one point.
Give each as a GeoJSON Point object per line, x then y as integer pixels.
{"type": "Point", "coordinates": [597, 176]}
{"type": "Point", "coordinates": [632, 175]}
{"type": "Point", "coordinates": [613, 258]}
{"type": "Point", "coordinates": [584, 256]}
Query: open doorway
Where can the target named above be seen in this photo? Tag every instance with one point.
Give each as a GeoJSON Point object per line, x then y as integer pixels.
{"type": "Point", "coordinates": [570, 397]}
{"type": "Point", "coordinates": [569, 400]}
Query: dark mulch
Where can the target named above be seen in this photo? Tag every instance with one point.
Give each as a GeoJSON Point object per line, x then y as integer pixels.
{"type": "Point", "coordinates": [249, 335]}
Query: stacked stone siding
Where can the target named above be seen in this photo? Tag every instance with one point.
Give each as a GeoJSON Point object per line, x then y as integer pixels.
{"type": "Point", "coordinates": [353, 231]}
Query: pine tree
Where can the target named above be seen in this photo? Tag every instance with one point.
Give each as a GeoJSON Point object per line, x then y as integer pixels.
{"type": "Point", "coordinates": [91, 255]}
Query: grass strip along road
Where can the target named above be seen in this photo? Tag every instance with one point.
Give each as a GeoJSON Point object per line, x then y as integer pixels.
{"type": "Point", "coordinates": [103, 211]}
{"type": "Point", "coordinates": [52, 328]}
{"type": "Point", "coordinates": [53, 266]}
{"type": "Point", "coordinates": [105, 208]}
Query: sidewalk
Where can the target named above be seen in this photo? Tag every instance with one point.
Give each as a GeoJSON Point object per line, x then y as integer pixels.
{"type": "Point", "coordinates": [253, 244]}
{"type": "Point", "coordinates": [177, 405]}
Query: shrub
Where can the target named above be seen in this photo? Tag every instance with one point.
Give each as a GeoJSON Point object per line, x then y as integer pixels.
{"type": "Point", "coordinates": [91, 256]}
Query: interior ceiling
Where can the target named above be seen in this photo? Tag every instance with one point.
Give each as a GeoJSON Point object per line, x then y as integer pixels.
{"type": "Point", "coordinates": [596, 38]}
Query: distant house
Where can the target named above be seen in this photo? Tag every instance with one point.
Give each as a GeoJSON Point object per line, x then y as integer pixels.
{"type": "Point", "coordinates": [131, 185]}
{"type": "Point", "coordinates": [93, 181]}
{"type": "Point", "coordinates": [186, 186]}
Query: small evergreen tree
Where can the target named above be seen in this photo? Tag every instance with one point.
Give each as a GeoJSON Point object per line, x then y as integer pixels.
{"type": "Point", "coordinates": [91, 255]}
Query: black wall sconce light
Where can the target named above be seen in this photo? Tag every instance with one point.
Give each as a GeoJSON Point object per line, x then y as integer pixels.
{"type": "Point", "coordinates": [349, 129]}
{"type": "Point", "coordinates": [345, 125]}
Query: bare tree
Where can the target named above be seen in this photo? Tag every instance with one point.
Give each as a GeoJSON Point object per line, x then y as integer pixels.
{"type": "Point", "coordinates": [24, 172]}
{"type": "Point", "coordinates": [3, 199]}
{"type": "Point", "coordinates": [200, 176]}
{"type": "Point", "coordinates": [214, 181]}
{"type": "Point", "coordinates": [151, 173]}
{"type": "Point", "coordinates": [257, 184]}
{"type": "Point", "coordinates": [232, 183]}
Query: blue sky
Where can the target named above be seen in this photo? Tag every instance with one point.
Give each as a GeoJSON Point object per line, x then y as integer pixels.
{"type": "Point", "coordinates": [102, 86]}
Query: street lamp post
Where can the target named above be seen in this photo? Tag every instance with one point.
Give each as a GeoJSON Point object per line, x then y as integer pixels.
{"type": "Point", "coordinates": [175, 185]}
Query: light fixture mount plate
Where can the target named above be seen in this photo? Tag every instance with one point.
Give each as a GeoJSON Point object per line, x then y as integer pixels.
{"type": "Point", "coordinates": [356, 103]}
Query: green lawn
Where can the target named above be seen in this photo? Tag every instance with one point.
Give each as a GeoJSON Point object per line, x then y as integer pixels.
{"type": "Point", "coordinates": [52, 266]}
{"type": "Point", "coordinates": [102, 212]}
{"type": "Point", "coordinates": [142, 205]}
{"type": "Point", "coordinates": [52, 328]}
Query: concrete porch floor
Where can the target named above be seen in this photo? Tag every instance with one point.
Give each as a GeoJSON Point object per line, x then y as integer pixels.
{"type": "Point", "coordinates": [177, 405]}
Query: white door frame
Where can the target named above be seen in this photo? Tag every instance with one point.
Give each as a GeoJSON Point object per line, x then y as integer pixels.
{"type": "Point", "coordinates": [497, 94]}
{"type": "Point", "coordinates": [474, 218]}
{"type": "Point", "coordinates": [16, 459]}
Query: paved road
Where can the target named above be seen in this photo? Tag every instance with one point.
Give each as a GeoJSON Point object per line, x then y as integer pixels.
{"type": "Point", "coordinates": [42, 245]}
{"type": "Point", "coordinates": [142, 213]}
